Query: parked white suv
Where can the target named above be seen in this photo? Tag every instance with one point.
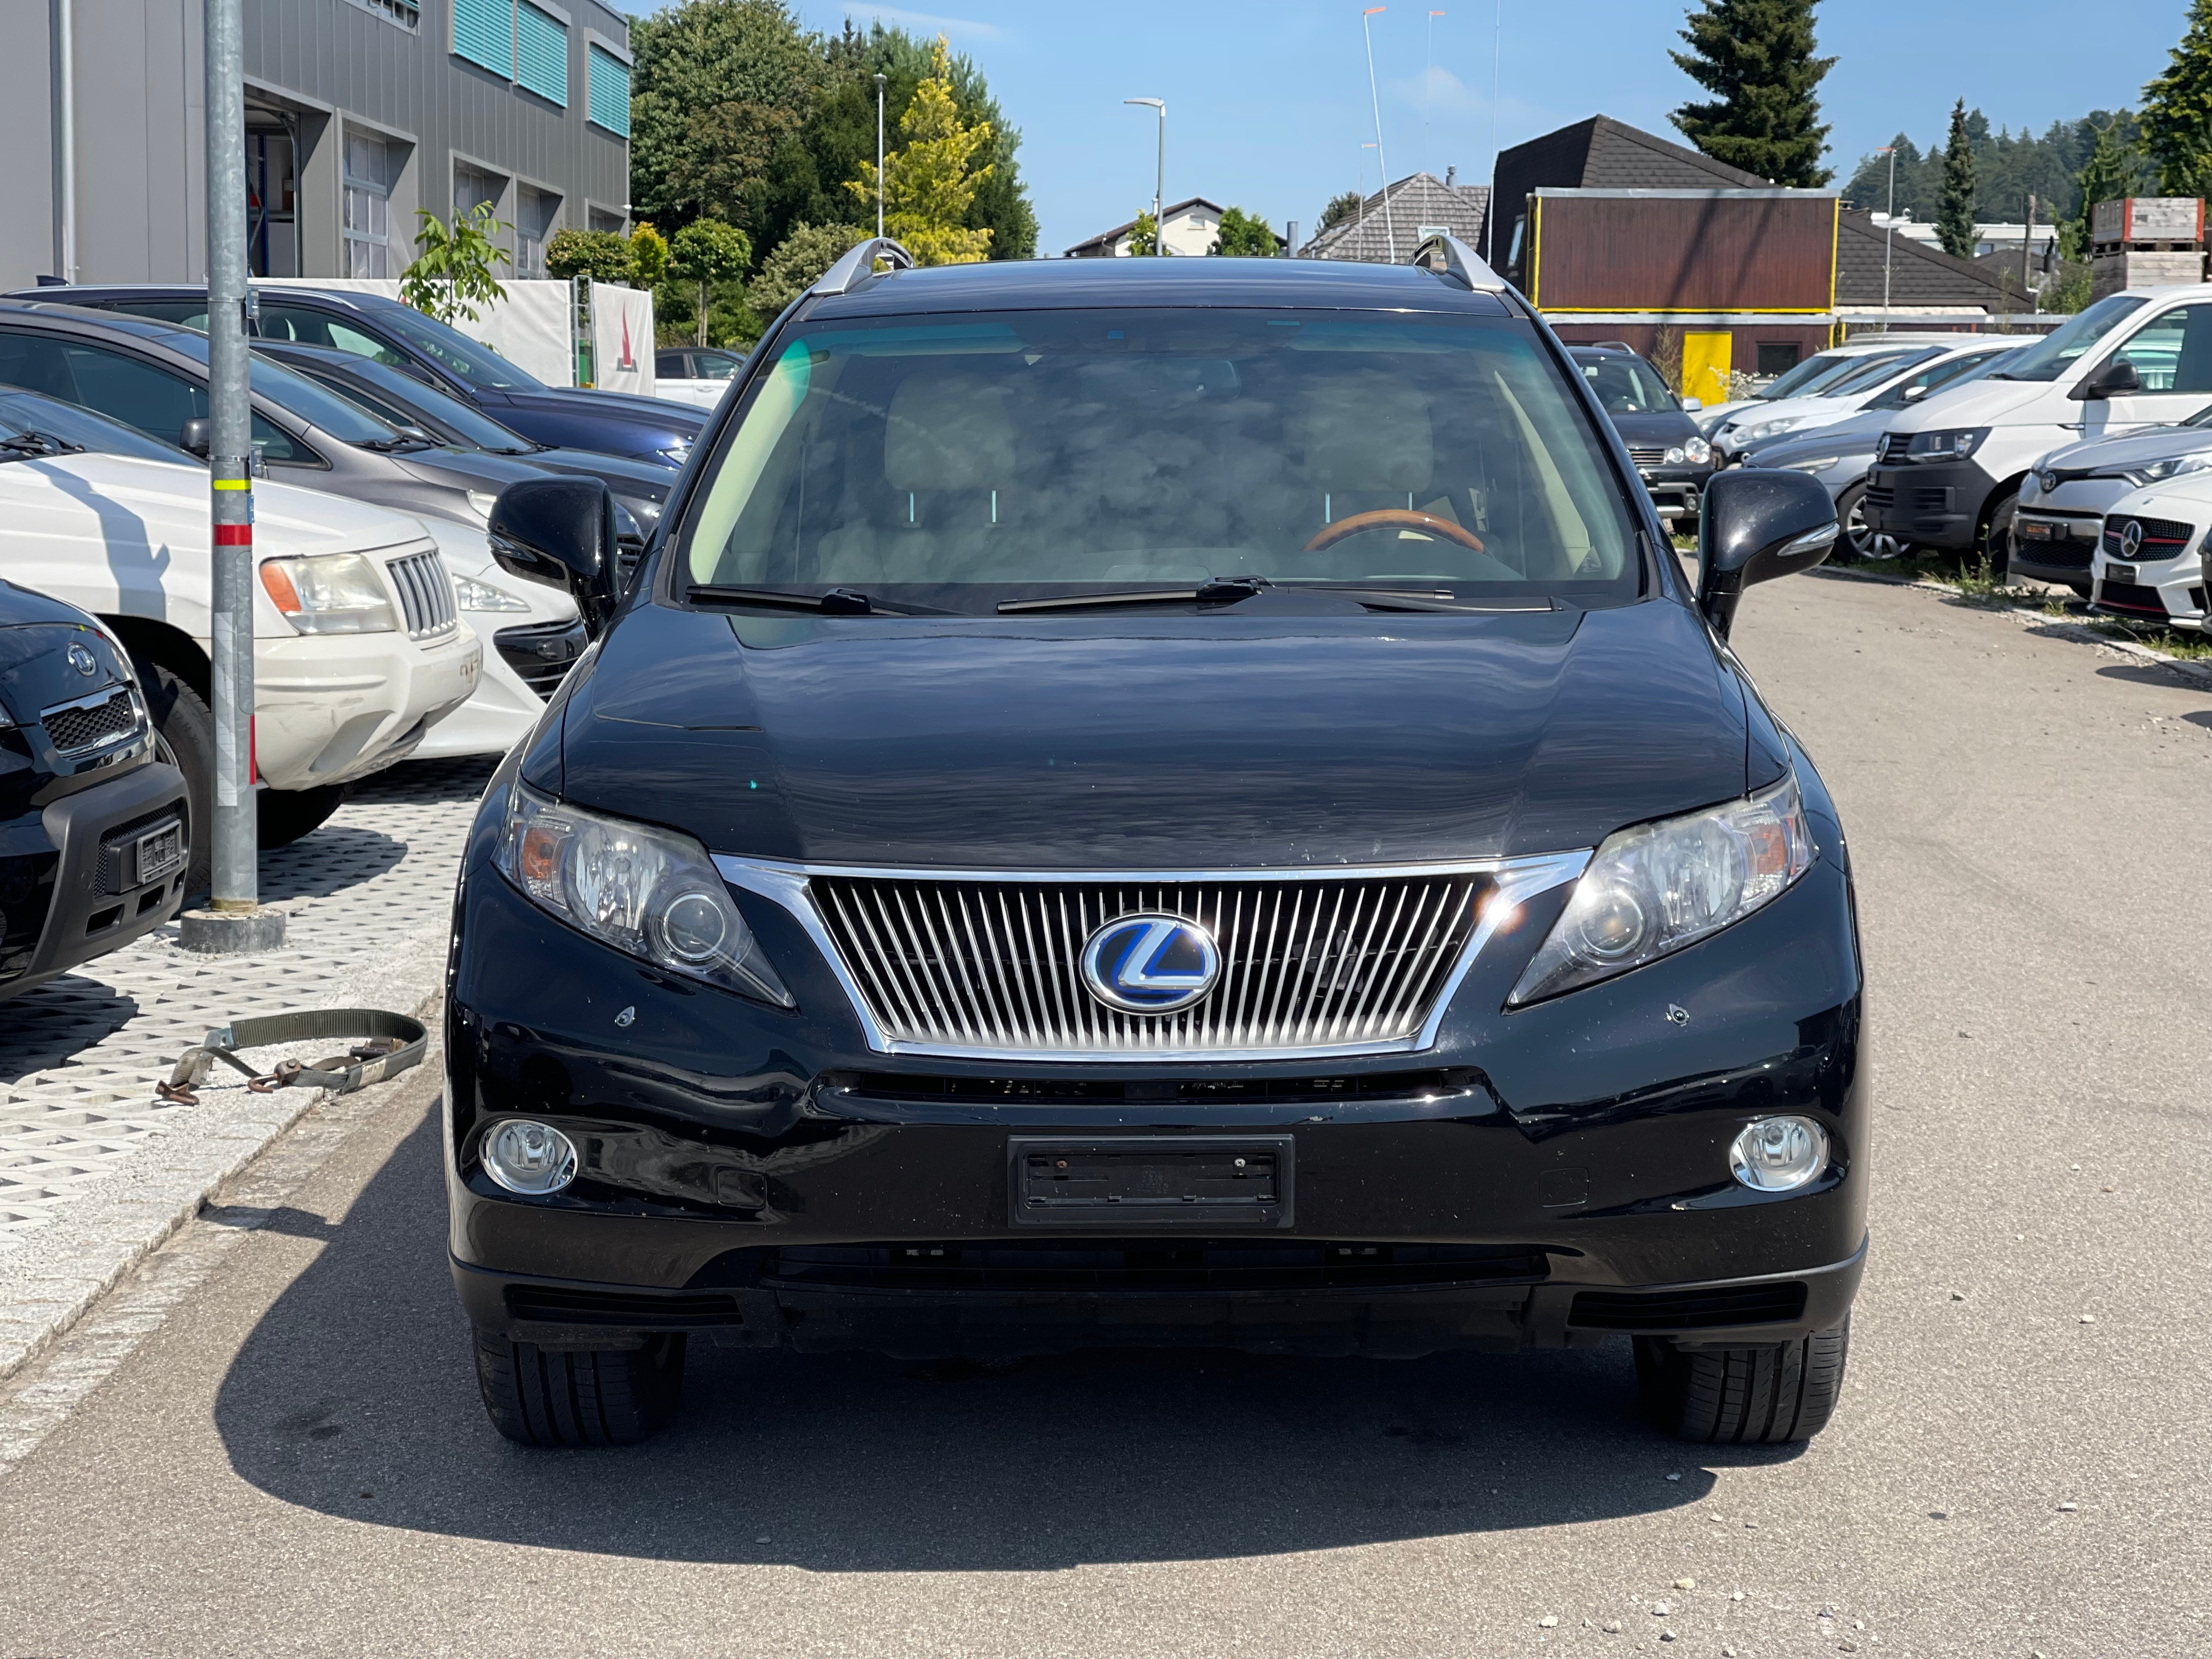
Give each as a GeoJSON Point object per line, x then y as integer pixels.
{"type": "Point", "coordinates": [358, 647]}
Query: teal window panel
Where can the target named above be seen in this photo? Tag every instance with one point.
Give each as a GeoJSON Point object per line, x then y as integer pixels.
{"type": "Point", "coordinates": [483, 33]}
{"type": "Point", "coordinates": [609, 91]}
{"type": "Point", "coordinates": [542, 54]}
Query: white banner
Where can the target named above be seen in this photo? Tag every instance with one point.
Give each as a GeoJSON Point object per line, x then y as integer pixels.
{"type": "Point", "coordinates": [622, 338]}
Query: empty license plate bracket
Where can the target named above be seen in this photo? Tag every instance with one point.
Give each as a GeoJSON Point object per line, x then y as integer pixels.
{"type": "Point", "coordinates": [1137, 1183]}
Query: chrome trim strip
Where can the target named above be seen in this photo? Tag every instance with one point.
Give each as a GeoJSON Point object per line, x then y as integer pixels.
{"type": "Point", "coordinates": [1517, 879]}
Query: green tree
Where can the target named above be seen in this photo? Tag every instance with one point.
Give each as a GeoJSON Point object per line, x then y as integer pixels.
{"type": "Point", "coordinates": [648, 256]}
{"type": "Point", "coordinates": [1954, 214]}
{"type": "Point", "coordinates": [930, 182]}
{"type": "Point", "coordinates": [1756, 58]}
{"type": "Point", "coordinates": [2177, 112]}
{"type": "Point", "coordinates": [598, 254]}
{"type": "Point", "coordinates": [452, 274]}
{"type": "Point", "coordinates": [1244, 236]}
{"type": "Point", "coordinates": [1144, 236]}
{"type": "Point", "coordinates": [1339, 208]}
{"type": "Point", "coordinates": [717, 85]}
{"type": "Point", "coordinates": [800, 258]}
{"type": "Point", "coordinates": [2114, 169]}
{"type": "Point", "coordinates": [708, 252]}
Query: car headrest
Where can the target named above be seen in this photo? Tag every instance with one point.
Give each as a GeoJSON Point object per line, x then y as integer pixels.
{"type": "Point", "coordinates": [1365, 429]}
{"type": "Point", "coordinates": [949, 432]}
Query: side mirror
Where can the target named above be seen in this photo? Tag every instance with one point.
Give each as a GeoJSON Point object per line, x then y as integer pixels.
{"type": "Point", "coordinates": [1757, 523]}
{"type": "Point", "coordinates": [195, 437]}
{"type": "Point", "coordinates": [2115, 380]}
{"type": "Point", "coordinates": [561, 532]}
{"type": "Point", "coordinates": [1912, 391]}
{"type": "Point", "coordinates": [1692, 405]}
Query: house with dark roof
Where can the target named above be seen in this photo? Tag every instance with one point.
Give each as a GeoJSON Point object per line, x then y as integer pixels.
{"type": "Point", "coordinates": [1190, 227]}
{"type": "Point", "coordinates": [1617, 234]}
{"type": "Point", "coordinates": [1391, 223]}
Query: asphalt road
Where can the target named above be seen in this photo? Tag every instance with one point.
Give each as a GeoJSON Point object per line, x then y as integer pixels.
{"type": "Point", "coordinates": [289, 1458]}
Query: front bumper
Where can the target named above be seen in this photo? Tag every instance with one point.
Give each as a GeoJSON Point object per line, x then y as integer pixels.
{"type": "Point", "coordinates": [2168, 594]}
{"type": "Point", "coordinates": [91, 843]}
{"type": "Point", "coordinates": [1676, 491]}
{"type": "Point", "coordinates": [1552, 1175]}
{"type": "Point", "coordinates": [1935, 503]}
{"type": "Point", "coordinates": [330, 709]}
{"type": "Point", "coordinates": [2052, 546]}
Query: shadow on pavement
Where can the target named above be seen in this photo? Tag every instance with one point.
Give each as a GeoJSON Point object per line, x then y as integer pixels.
{"type": "Point", "coordinates": [355, 1396]}
{"type": "Point", "coordinates": [57, 1021]}
{"type": "Point", "coordinates": [328, 860]}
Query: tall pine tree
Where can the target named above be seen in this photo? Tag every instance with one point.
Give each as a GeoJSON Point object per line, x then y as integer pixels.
{"type": "Point", "coordinates": [1954, 214]}
{"type": "Point", "coordinates": [1756, 58]}
{"type": "Point", "coordinates": [2177, 113]}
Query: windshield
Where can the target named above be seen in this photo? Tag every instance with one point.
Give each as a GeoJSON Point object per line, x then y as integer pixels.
{"type": "Point", "coordinates": [2057, 354]}
{"type": "Point", "coordinates": [1871, 372]}
{"type": "Point", "coordinates": [73, 424]}
{"type": "Point", "coordinates": [405, 401]}
{"type": "Point", "coordinates": [454, 352]}
{"type": "Point", "coordinates": [1169, 446]}
{"type": "Point", "coordinates": [1936, 376]}
{"type": "Point", "coordinates": [311, 401]}
{"type": "Point", "coordinates": [1626, 386]}
{"type": "Point", "coordinates": [1814, 373]}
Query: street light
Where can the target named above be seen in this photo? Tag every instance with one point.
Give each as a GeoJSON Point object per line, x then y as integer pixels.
{"type": "Point", "coordinates": [1889, 231]}
{"type": "Point", "coordinates": [1389, 225]}
{"type": "Point", "coordinates": [879, 153]}
{"type": "Point", "coordinates": [1159, 179]}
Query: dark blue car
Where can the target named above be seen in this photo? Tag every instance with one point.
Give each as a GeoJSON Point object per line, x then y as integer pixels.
{"type": "Point", "coordinates": [1142, 801]}
{"type": "Point", "coordinates": [370, 326]}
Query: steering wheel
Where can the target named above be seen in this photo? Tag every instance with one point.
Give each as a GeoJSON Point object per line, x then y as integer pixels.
{"type": "Point", "coordinates": [1385, 517]}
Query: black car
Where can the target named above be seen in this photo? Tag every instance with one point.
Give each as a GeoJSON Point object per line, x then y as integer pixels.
{"type": "Point", "coordinates": [94, 829]}
{"type": "Point", "coordinates": [1674, 460]}
{"type": "Point", "coordinates": [1145, 801]}
{"type": "Point", "coordinates": [612, 422]}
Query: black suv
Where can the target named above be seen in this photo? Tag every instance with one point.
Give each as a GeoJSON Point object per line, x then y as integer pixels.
{"type": "Point", "coordinates": [94, 831]}
{"type": "Point", "coordinates": [370, 326]}
{"type": "Point", "coordinates": [1671, 455]}
{"type": "Point", "coordinates": [1140, 801]}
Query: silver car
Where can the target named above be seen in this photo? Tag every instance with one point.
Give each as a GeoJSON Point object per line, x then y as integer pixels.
{"type": "Point", "coordinates": [2063, 504]}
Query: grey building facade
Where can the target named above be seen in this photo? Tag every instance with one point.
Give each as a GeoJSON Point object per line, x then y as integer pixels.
{"type": "Point", "coordinates": [359, 112]}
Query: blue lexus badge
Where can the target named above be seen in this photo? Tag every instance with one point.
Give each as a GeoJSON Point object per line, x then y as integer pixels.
{"type": "Point", "coordinates": [1150, 964]}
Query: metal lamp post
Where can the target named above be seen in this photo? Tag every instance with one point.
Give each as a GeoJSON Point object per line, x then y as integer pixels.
{"type": "Point", "coordinates": [879, 153]}
{"type": "Point", "coordinates": [1888, 231]}
{"type": "Point", "coordinates": [1160, 176]}
{"type": "Point", "coordinates": [1381, 161]}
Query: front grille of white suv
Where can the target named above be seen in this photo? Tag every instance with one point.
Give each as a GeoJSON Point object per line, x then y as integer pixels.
{"type": "Point", "coordinates": [426, 594]}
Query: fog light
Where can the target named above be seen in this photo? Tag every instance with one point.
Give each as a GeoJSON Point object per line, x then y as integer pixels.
{"type": "Point", "coordinates": [534, 1158]}
{"type": "Point", "coordinates": [1777, 1154]}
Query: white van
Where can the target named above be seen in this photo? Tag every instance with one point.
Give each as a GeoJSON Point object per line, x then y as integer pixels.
{"type": "Point", "coordinates": [1949, 471]}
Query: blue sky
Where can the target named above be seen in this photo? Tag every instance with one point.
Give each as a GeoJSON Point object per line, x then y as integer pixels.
{"type": "Point", "coordinates": [1267, 103]}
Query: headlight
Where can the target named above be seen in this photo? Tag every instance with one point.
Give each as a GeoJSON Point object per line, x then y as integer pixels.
{"type": "Point", "coordinates": [1952, 446]}
{"type": "Point", "coordinates": [677, 454]}
{"type": "Point", "coordinates": [329, 593]}
{"type": "Point", "coordinates": [1672, 456]}
{"type": "Point", "coordinates": [482, 503]}
{"type": "Point", "coordinates": [482, 596]}
{"type": "Point", "coordinates": [1810, 463]}
{"type": "Point", "coordinates": [1765, 429]}
{"type": "Point", "coordinates": [1657, 887]}
{"type": "Point", "coordinates": [1697, 451]}
{"type": "Point", "coordinates": [649, 892]}
{"type": "Point", "coordinates": [2169, 468]}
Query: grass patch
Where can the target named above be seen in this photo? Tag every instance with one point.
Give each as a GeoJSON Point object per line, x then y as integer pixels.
{"type": "Point", "coordinates": [2190, 648]}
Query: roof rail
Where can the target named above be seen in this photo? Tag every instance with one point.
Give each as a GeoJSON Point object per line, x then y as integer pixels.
{"type": "Point", "coordinates": [1447, 256]}
{"type": "Point", "coordinates": [846, 274]}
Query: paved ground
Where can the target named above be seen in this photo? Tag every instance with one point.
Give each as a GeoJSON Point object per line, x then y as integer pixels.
{"type": "Point", "coordinates": [288, 1457]}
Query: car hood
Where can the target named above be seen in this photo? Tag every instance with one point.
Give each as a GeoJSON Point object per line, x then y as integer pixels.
{"type": "Point", "coordinates": [1662, 425]}
{"type": "Point", "coordinates": [2188, 496]}
{"type": "Point", "coordinates": [624, 475]}
{"type": "Point", "coordinates": [467, 468]}
{"type": "Point", "coordinates": [1151, 741]}
{"type": "Point", "coordinates": [656, 412]}
{"type": "Point", "coordinates": [2130, 449]}
{"type": "Point", "coordinates": [1860, 434]}
{"type": "Point", "coordinates": [160, 504]}
{"type": "Point", "coordinates": [1981, 401]}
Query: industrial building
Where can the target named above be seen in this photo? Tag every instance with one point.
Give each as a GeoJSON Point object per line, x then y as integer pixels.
{"type": "Point", "coordinates": [359, 112]}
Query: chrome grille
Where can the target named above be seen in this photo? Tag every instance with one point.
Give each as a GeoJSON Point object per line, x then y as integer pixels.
{"type": "Point", "coordinates": [93, 722]}
{"type": "Point", "coordinates": [426, 593]}
{"type": "Point", "coordinates": [1894, 445]}
{"type": "Point", "coordinates": [1648, 454]}
{"type": "Point", "coordinates": [993, 966]}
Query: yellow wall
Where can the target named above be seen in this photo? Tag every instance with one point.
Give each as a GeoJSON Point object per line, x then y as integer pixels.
{"type": "Point", "coordinates": [1706, 359]}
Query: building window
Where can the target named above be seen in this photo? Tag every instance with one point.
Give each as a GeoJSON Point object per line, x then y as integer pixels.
{"type": "Point", "coordinates": [1777, 356]}
{"type": "Point", "coordinates": [404, 13]}
{"type": "Point", "coordinates": [483, 33]}
{"type": "Point", "coordinates": [608, 90]}
{"type": "Point", "coordinates": [368, 206]}
{"type": "Point", "coordinates": [534, 213]}
{"type": "Point", "coordinates": [541, 47]}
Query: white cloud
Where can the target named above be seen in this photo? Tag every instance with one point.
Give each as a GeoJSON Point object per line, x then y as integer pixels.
{"type": "Point", "coordinates": [923, 20]}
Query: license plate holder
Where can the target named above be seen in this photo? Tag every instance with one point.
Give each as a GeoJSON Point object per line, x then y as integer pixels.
{"type": "Point", "coordinates": [1132, 1183]}
{"type": "Point", "coordinates": [159, 852]}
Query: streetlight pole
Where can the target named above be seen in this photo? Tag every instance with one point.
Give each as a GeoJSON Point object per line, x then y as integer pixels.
{"type": "Point", "coordinates": [879, 153]}
{"type": "Point", "coordinates": [1160, 176]}
{"type": "Point", "coordinates": [1389, 223]}
{"type": "Point", "coordinates": [235, 921]}
{"type": "Point", "coordinates": [1428, 94]}
{"type": "Point", "coordinates": [1497, 60]}
{"type": "Point", "coordinates": [1888, 233]}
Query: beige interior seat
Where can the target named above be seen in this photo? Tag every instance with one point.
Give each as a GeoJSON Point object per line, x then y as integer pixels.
{"type": "Point", "coordinates": [949, 453]}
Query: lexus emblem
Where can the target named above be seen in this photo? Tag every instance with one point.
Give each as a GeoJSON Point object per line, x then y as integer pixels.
{"type": "Point", "coordinates": [2131, 539]}
{"type": "Point", "coordinates": [84, 661]}
{"type": "Point", "coordinates": [1150, 964]}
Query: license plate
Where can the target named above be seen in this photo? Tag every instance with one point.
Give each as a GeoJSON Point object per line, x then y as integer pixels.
{"type": "Point", "coordinates": [2122, 575]}
{"type": "Point", "coordinates": [159, 852]}
{"type": "Point", "coordinates": [1128, 1182]}
{"type": "Point", "coordinates": [2034, 530]}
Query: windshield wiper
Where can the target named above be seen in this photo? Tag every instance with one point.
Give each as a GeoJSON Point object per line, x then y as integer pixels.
{"type": "Point", "coordinates": [404, 443]}
{"type": "Point", "coordinates": [1235, 589]}
{"type": "Point", "coordinates": [27, 446]}
{"type": "Point", "coordinates": [837, 602]}
{"type": "Point", "coordinates": [1226, 592]}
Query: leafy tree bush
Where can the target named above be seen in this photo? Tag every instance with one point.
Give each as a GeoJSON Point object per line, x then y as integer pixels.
{"type": "Point", "coordinates": [2113, 169]}
{"type": "Point", "coordinates": [800, 258]}
{"type": "Point", "coordinates": [1756, 58]}
{"type": "Point", "coordinates": [708, 252]}
{"type": "Point", "coordinates": [931, 181]}
{"type": "Point", "coordinates": [1339, 208]}
{"type": "Point", "coordinates": [648, 256]}
{"type": "Point", "coordinates": [1144, 236]}
{"type": "Point", "coordinates": [598, 254]}
{"type": "Point", "coordinates": [2177, 112]}
{"type": "Point", "coordinates": [1244, 236]}
{"type": "Point", "coordinates": [452, 275]}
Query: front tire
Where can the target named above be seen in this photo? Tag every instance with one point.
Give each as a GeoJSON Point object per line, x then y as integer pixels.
{"type": "Point", "coordinates": [1864, 541]}
{"type": "Point", "coordinates": [1743, 1396]}
{"type": "Point", "coordinates": [1996, 535]}
{"type": "Point", "coordinates": [579, 1397]}
{"type": "Point", "coordinates": [285, 815]}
